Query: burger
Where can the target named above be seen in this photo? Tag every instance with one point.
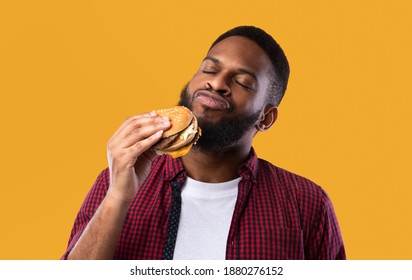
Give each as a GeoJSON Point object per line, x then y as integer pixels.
{"type": "Point", "coordinates": [181, 136]}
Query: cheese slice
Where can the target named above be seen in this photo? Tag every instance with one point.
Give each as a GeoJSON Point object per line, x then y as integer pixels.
{"type": "Point", "coordinates": [181, 152]}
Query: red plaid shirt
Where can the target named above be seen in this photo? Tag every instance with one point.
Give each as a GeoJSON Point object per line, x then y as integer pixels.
{"type": "Point", "coordinates": [278, 215]}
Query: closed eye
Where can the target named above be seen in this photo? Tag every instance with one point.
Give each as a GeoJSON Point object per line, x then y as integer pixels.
{"type": "Point", "coordinates": [209, 71]}
{"type": "Point", "coordinates": [243, 85]}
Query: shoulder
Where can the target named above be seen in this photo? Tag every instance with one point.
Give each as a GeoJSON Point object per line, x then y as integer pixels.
{"type": "Point", "coordinates": [101, 183]}
{"type": "Point", "coordinates": [308, 203]}
{"type": "Point", "coordinates": [287, 178]}
{"type": "Point", "coordinates": [307, 193]}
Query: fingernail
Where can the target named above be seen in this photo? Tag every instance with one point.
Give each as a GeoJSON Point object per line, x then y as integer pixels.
{"type": "Point", "coordinates": [159, 132]}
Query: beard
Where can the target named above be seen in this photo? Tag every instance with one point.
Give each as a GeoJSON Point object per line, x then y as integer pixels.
{"type": "Point", "coordinates": [220, 136]}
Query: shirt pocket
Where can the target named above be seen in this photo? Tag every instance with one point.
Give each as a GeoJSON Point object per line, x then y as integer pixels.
{"type": "Point", "coordinates": [283, 244]}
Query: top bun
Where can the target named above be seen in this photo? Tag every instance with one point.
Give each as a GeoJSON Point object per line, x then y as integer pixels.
{"type": "Point", "coordinates": [180, 118]}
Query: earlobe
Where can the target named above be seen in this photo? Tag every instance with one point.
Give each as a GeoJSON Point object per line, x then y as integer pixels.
{"type": "Point", "coordinates": [268, 118]}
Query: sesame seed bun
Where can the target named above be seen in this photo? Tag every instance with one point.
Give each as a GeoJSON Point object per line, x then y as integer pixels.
{"type": "Point", "coordinates": [180, 118]}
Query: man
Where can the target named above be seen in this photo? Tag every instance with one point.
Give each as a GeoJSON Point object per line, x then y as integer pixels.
{"type": "Point", "coordinates": [219, 201]}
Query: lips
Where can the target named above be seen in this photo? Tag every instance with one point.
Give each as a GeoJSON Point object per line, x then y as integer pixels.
{"type": "Point", "coordinates": [212, 101]}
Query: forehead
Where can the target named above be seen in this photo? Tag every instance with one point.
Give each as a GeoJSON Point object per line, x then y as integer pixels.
{"type": "Point", "coordinates": [241, 52]}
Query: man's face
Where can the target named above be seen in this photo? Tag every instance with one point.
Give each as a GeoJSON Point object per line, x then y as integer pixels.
{"type": "Point", "coordinates": [228, 92]}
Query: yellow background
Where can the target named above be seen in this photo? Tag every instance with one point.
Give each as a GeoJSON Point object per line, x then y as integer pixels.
{"type": "Point", "coordinates": [72, 71]}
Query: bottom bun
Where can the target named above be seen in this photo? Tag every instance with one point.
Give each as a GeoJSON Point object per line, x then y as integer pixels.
{"type": "Point", "coordinates": [177, 153]}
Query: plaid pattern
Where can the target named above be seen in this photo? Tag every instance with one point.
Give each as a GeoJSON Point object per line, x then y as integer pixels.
{"type": "Point", "coordinates": [278, 215]}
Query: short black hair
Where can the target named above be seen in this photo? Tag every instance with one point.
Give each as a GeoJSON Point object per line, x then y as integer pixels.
{"type": "Point", "coordinates": [275, 53]}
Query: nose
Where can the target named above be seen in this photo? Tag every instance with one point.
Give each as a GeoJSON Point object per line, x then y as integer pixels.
{"type": "Point", "coordinates": [218, 85]}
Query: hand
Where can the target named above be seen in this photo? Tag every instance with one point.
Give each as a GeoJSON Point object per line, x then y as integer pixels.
{"type": "Point", "coordinates": [129, 155]}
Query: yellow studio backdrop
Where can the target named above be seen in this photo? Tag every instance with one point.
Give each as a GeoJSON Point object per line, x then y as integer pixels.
{"type": "Point", "coordinates": [72, 71]}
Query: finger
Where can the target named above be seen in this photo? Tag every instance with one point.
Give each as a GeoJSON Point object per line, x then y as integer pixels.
{"type": "Point", "coordinates": [132, 119]}
{"type": "Point", "coordinates": [144, 132]}
{"type": "Point", "coordinates": [136, 132]}
{"type": "Point", "coordinates": [142, 146]}
{"type": "Point", "coordinates": [139, 124]}
{"type": "Point", "coordinates": [133, 125]}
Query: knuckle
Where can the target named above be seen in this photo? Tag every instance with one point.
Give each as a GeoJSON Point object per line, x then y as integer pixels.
{"type": "Point", "coordinates": [135, 122]}
{"type": "Point", "coordinates": [138, 146]}
{"type": "Point", "coordinates": [133, 133]}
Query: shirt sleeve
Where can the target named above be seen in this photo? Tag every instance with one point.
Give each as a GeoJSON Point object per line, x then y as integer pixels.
{"type": "Point", "coordinates": [88, 208]}
{"type": "Point", "coordinates": [325, 238]}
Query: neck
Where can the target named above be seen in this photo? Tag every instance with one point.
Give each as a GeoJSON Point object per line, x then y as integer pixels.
{"type": "Point", "coordinates": [215, 167]}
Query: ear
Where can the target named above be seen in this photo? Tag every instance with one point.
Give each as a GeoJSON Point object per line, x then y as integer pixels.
{"type": "Point", "coordinates": [268, 118]}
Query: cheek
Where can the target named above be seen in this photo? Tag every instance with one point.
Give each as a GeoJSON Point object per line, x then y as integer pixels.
{"type": "Point", "coordinates": [241, 101]}
{"type": "Point", "coordinates": [194, 83]}
{"type": "Point", "coordinates": [248, 102]}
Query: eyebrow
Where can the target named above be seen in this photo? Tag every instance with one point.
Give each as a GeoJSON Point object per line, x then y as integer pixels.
{"type": "Point", "coordinates": [241, 70]}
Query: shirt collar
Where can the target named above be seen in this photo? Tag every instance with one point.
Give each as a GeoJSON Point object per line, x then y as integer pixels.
{"type": "Point", "coordinates": [248, 170]}
{"type": "Point", "coordinates": [174, 167]}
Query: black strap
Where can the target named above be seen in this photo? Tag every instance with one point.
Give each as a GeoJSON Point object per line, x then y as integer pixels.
{"type": "Point", "coordinates": [173, 223]}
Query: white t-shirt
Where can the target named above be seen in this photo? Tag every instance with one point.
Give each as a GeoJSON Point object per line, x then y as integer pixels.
{"type": "Point", "coordinates": [205, 218]}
